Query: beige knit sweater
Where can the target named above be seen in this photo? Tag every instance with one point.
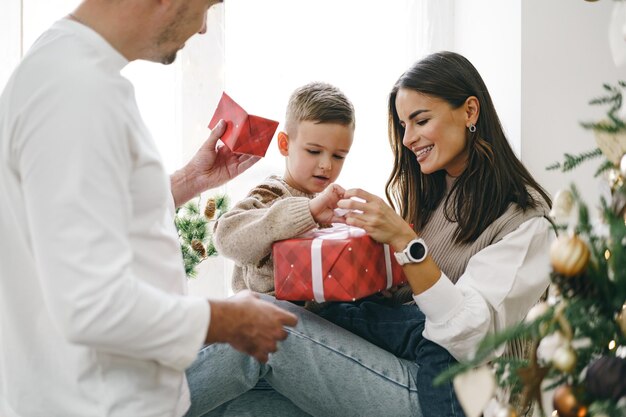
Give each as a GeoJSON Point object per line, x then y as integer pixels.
{"type": "Point", "coordinates": [272, 211]}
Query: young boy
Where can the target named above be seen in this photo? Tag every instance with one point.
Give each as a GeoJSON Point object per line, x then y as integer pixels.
{"type": "Point", "coordinates": [319, 129]}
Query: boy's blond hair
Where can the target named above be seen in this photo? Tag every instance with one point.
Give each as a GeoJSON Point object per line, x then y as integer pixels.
{"type": "Point", "coordinates": [320, 103]}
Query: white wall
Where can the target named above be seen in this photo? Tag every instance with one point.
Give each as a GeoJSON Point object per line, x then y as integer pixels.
{"type": "Point", "coordinates": [488, 33]}
{"type": "Point", "coordinates": [565, 60]}
{"type": "Point", "coordinates": [542, 62]}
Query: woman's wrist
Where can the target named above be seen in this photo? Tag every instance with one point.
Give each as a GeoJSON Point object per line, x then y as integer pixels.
{"type": "Point", "coordinates": [401, 240]}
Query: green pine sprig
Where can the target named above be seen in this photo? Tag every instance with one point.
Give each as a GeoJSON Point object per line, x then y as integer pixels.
{"type": "Point", "coordinates": [614, 99]}
{"type": "Point", "coordinates": [573, 161]}
{"type": "Point", "coordinates": [612, 124]}
{"type": "Point", "coordinates": [195, 231]}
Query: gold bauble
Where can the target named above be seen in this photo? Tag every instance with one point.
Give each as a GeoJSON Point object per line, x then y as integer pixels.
{"type": "Point", "coordinates": [566, 404]}
{"type": "Point", "coordinates": [564, 359]}
{"type": "Point", "coordinates": [621, 319]}
{"type": "Point", "coordinates": [569, 255]}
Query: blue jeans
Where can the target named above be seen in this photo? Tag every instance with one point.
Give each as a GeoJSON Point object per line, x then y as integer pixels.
{"type": "Point", "coordinates": [398, 329]}
{"type": "Point", "coordinates": [320, 370]}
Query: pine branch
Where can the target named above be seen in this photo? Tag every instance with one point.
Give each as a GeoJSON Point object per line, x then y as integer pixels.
{"type": "Point", "coordinates": [614, 99]}
{"type": "Point", "coordinates": [604, 167]}
{"type": "Point", "coordinates": [222, 203]}
{"type": "Point", "coordinates": [195, 234]}
{"type": "Point", "coordinates": [192, 207]}
{"type": "Point", "coordinates": [572, 161]}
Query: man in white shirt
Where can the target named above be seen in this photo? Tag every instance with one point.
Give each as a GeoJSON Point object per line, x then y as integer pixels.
{"type": "Point", "coordinates": [93, 316]}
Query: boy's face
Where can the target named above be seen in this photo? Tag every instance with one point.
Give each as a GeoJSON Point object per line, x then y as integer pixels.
{"type": "Point", "coordinates": [315, 154]}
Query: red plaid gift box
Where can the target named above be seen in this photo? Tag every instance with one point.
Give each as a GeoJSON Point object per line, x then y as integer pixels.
{"type": "Point", "coordinates": [341, 263]}
{"type": "Point", "coordinates": [244, 133]}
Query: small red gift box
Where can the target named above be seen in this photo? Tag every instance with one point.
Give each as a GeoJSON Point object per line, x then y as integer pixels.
{"type": "Point", "coordinates": [244, 133]}
{"type": "Point", "coordinates": [341, 263]}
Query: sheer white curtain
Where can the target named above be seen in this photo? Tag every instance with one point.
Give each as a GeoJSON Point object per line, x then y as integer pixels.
{"type": "Point", "coordinates": [361, 46]}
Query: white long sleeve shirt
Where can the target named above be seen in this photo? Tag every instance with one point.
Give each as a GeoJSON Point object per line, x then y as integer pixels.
{"type": "Point", "coordinates": [500, 284]}
{"type": "Point", "coordinates": [93, 317]}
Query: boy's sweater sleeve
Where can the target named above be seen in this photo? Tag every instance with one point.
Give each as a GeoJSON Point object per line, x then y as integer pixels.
{"type": "Point", "coordinates": [269, 213]}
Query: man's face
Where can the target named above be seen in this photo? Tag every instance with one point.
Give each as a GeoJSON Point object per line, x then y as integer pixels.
{"type": "Point", "coordinates": [188, 19]}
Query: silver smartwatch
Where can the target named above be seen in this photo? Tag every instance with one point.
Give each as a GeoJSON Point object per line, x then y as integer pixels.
{"type": "Point", "coordinates": [415, 252]}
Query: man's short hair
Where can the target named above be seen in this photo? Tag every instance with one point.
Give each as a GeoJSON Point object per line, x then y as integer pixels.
{"type": "Point", "coordinates": [320, 103]}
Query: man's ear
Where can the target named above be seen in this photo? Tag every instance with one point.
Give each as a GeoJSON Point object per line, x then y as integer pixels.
{"type": "Point", "coordinates": [472, 110]}
{"type": "Point", "coordinates": [283, 143]}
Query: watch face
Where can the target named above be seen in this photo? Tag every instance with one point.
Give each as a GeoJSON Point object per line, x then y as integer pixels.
{"type": "Point", "coordinates": [417, 250]}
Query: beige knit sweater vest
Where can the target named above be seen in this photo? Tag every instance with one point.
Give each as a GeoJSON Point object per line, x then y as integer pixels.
{"type": "Point", "coordinates": [452, 258]}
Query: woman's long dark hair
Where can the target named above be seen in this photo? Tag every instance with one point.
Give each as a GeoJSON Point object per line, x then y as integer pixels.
{"type": "Point", "coordinates": [493, 178]}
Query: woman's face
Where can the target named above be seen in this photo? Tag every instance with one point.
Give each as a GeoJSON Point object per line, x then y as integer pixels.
{"type": "Point", "coordinates": [433, 131]}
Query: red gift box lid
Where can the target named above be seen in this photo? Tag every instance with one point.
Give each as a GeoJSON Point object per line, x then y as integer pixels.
{"type": "Point", "coordinates": [244, 133]}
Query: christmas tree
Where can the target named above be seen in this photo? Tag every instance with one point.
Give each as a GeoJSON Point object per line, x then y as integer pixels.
{"type": "Point", "coordinates": [195, 230]}
{"type": "Point", "coordinates": [577, 335]}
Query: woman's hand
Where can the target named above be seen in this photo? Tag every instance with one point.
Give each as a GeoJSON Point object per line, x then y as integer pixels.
{"type": "Point", "coordinates": [379, 220]}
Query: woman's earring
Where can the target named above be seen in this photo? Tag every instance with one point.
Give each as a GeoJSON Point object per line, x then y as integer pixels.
{"type": "Point", "coordinates": [472, 128]}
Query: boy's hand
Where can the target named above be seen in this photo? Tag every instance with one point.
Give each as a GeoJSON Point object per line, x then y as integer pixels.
{"type": "Point", "coordinates": [323, 206]}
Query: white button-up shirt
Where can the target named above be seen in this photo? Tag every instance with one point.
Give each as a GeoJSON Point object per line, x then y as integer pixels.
{"type": "Point", "coordinates": [93, 317]}
{"type": "Point", "coordinates": [500, 284]}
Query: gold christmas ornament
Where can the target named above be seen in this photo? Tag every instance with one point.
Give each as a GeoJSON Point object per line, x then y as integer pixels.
{"type": "Point", "coordinates": [621, 319]}
{"type": "Point", "coordinates": [612, 145]}
{"type": "Point", "coordinates": [566, 404]}
{"type": "Point", "coordinates": [564, 359]}
{"type": "Point", "coordinates": [562, 206]}
{"type": "Point", "coordinates": [569, 255]}
{"type": "Point", "coordinates": [209, 209]}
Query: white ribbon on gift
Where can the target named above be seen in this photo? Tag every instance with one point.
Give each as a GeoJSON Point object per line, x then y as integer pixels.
{"type": "Point", "coordinates": [337, 232]}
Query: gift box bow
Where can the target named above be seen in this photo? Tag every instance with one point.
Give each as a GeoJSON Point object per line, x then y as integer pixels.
{"type": "Point", "coordinates": [245, 133]}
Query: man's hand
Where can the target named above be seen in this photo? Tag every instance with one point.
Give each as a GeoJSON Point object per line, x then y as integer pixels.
{"type": "Point", "coordinates": [323, 205]}
{"type": "Point", "coordinates": [212, 166]}
{"type": "Point", "coordinates": [249, 324]}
